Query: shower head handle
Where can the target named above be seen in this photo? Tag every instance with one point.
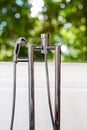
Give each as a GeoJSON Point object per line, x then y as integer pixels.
{"type": "Point", "coordinates": [21, 41]}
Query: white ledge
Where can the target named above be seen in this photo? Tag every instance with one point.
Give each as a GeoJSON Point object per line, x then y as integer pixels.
{"type": "Point", "coordinates": [73, 75]}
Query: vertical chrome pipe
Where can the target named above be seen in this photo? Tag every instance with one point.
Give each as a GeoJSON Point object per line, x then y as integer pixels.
{"type": "Point", "coordinates": [31, 89]}
{"type": "Point", "coordinates": [57, 86]}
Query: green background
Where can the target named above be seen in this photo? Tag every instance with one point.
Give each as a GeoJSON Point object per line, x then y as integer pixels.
{"type": "Point", "coordinates": [64, 20]}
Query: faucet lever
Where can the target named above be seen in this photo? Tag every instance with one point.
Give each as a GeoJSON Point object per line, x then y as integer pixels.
{"type": "Point", "coordinates": [44, 43]}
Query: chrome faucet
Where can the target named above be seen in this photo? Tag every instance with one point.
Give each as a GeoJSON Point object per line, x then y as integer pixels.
{"type": "Point", "coordinates": [44, 43]}
{"type": "Point", "coordinates": [44, 48]}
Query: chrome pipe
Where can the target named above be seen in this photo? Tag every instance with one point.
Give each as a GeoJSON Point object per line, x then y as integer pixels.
{"type": "Point", "coordinates": [51, 47]}
{"type": "Point", "coordinates": [31, 89]}
{"type": "Point", "coordinates": [57, 86]}
{"type": "Point", "coordinates": [22, 60]}
{"type": "Point", "coordinates": [39, 48]}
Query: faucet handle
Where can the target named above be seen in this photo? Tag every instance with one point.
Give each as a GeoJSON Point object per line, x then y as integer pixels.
{"type": "Point", "coordinates": [45, 35]}
{"type": "Point", "coordinates": [44, 43]}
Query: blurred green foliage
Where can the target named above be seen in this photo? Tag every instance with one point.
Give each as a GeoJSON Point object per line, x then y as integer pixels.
{"type": "Point", "coordinates": [64, 20]}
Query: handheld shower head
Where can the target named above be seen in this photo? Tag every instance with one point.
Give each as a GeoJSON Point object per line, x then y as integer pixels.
{"type": "Point", "coordinates": [20, 42]}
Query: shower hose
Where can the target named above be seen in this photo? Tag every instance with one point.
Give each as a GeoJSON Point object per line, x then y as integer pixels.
{"type": "Point", "coordinates": [48, 93]}
{"type": "Point", "coordinates": [14, 98]}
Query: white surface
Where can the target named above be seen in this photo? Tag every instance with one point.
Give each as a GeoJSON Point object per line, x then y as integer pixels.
{"type": "Point", "coordinates": [73, 96]}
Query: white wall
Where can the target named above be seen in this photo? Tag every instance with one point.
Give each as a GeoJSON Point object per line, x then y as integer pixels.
{"type": "Point", "coordinates": [73, 96]}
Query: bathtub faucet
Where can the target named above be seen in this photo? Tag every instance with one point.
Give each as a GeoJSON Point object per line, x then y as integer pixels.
{"type": "Point", "coordinates": [44, 48]}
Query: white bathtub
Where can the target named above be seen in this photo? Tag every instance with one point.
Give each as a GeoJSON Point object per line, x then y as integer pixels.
{"type": "Point", "coordinates": [73, 96]}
